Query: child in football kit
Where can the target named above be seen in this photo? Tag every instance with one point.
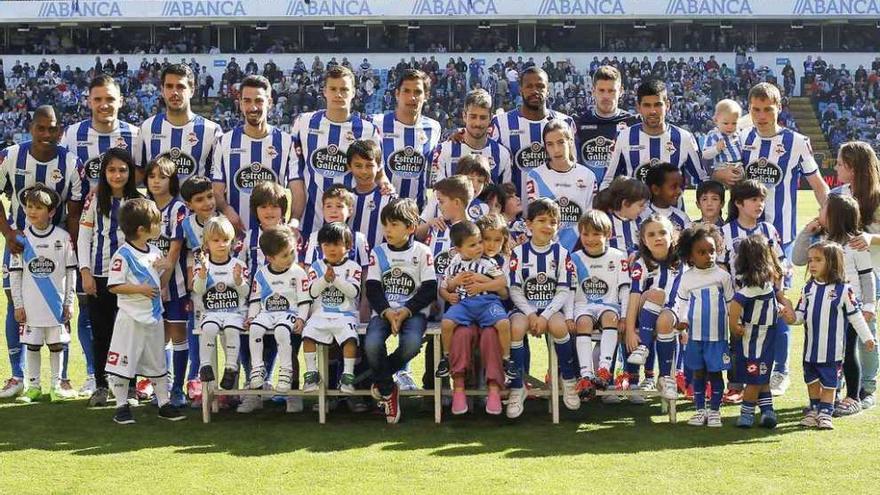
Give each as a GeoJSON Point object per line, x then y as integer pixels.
{"type": "Point", "coordinates": [827, 305]}
{"type": "Point", "coordinates": [710, 201]}
{"type": "Point", "coordinates": [665, 182]}
{"type": "Point", "coordinates": [138, 343]}
{"type": "Point", "coordinates": [752, 315]}
{"type": "Point", "coordinates": [722, 146]}
{"type": "Point", "coordinates": [278, 304]}
{"type": "Point", "coordinates": [334, 287]}
{"type": "Point", "coordinates": [703, 294]}
{"type": "Point", "coordinates": [624, 201]}
{"type": "Point", "coordinates": [220, 290]}
{"type": "Point", "coordinates": [43, 287]}
{"type": "Point", "coordinates": [601, 292]}
{"type": "Point", "coordinates": [364, 159]}
{"type": "Point", "coordinates": [471, 303]}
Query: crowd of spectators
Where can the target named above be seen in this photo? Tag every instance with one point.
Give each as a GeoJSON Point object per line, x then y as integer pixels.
{"type": "Point", "coordinates": [848, 101]}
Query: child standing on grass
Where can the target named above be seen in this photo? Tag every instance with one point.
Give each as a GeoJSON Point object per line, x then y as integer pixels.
{"type": "Point", "coordinates": [752, 316]}
{"type": "Point", "coordinates": [138, 344]}
{"type": "Point", "coordinates": [826, 306]}
{"type": "Point", "coordinates": [624, 201]}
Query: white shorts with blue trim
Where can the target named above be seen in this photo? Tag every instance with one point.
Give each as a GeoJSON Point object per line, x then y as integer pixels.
{"type": "Point", "coordinates": [325, 330]}
{"type": "Point", "coordinates": [36, 336]}
{"type": "Point", "coordinates": [595, 310]}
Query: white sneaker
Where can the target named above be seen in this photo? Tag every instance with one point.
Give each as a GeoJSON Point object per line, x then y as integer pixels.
{"type": "Point", "coordinates": [284, 380]}
{"type": "Point", "coordinates": [648, 385]}
{"type": "Point", "coordinates": [570, 396]}
{"type": "Point", "coordinates": [249, 404]}
{"type": "Point", "coordinates": [668, 389]}
{"type": "Point", "coordinates": [637, 399]}
{"type": "Point", "coordinates": [779, 383]}
{"type": "Point", "coordinates": [713, 419]}
{"type": "Point", "coordinates": [516, 402]}
{"type": "Point", "coordinates": [256, 380]}
{"type": "Point", "coordinates": [12, 388]}
{"type": "Point", "coordinates": [88, 387]}
{"type": "Point", "coordinates": [294, 404]}
{"type": "Point", "coordinates": [64, 390]}
{"type": "Point", "coordinates": [639, 355]}
{"type": "Point", "coordinates": [611, 399]}
{"type": "Point", "coordinates": [405, 381]}
{"type": "Point", "coordinates": [699, 418]}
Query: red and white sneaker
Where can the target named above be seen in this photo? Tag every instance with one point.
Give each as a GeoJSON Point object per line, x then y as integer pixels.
{"type": "Point", "coordinates": [621, 382]}
{"type": "Point", "coordinates": [392, 406]}
{"type": "Point", "coordinates": [585, 388]}
{"type": "Point", "coordinates": [194, 392]}
{"type": "Point", "coordinates": [732, 396]}
{"type": "Point", "coordinates": [144, 389]}
{"type": "Point", "coordinates": [603, 378]}
{"type": "Point", "coordinates": [12, 388]}
{"type": "Point", "coordinates": [681, 383]}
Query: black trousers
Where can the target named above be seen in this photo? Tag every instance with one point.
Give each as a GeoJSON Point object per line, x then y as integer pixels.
{"type": "Point", "coordinates": [102, 313]}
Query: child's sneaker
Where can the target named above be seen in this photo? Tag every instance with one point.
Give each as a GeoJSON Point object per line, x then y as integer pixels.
{"type": "Point", "coordinates": [459, 402]}
{"type": "Point", "coordinates": [511, 372]}
{"type": "Point", "coordinates": [668, 388]}
{"type": "Point", "coordinates": [603, 378]}
{"type": "Point", "coordinates": [713, 420]}
{"type": "Point", "coordinates": [358, 404]}
{"type": "Point", "coordinates": [229, 378]}
{"type": "Point", "coordinates": [65, 390]}
{"type": "Point", "coordinates": [768, 419]}
{"type": "Point", "coordinates": [515, 402]}
{"type": "Point", "coordinates": [88, 387]}
{"type": "Point", "coordinates": [346, 383]}
{"type": "Point", "coordinates": [570, 396]}
{"type": "Point", "coordinates": [442, 368]}
{"type": "Point", "coordinates": [11, 388]}
{"type": "Point", "coordinates": [311, 380]}
{"type": "Point", "coordinates": [847, 407]}
{"type": "Point", "coordinates": [639, 355]}
{"type": "Point", "coordinates": [99, 397]}
{"type": "Point", "coordinates": [699, 418]}
{"type": "Point", "coordinates": [824, 422]}
{"type": "Point", "coordinates": [391, 405]}
{"type": "Point", "coordinates": [637, 399]}
{"type": "Point", "coordinates": [255, 380]}
{"type": "Point", "coordinates": [810, 419]}
{"type": "Point", "coordinates": [206, 374]}
{"type": "Point", "coordinates": [493, 403]}
{"type": "Point", "coordinates": [285, 378]}
{"type": "Point", "coordinates": [621, 382]}
{"type": "Point", "coordinates": [868, 401]}
{"type": "Point", "coordinates": [732, 396]}
{"type": "Point", "coordinates": [294, 404]}
{"type": "Point", "coordinates": [585, 388]}
{"type": "Point", "coordinates": [682, 384]}
{"type": "Point", "coordinates": [779, 383]}
{"type": "Point", "coordinates": [32, 394]}
{"type": "Point", "coordinates": [171, 413]}
{"type": "Point", "coordinates": [123, 415]}
{"type": "Point", "coordinates": [249, 404]}
{"type": "Point", "coordinates": [746, 420]}
{"type": "Point", "coordinates": [144, 389]}
{"type": "Point", "coordinates": [610, 399]}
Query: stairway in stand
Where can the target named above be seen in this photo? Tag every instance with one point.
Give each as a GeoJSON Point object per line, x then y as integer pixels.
{"type": "Point", "coordinates": [805, 115]}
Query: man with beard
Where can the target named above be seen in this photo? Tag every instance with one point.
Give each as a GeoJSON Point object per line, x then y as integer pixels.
{"type": "Point", "coordinates": [520, 129]}
{"type": "Point", "coordinates": [184, 137]}
{"type": "Point", "coordinates": [599, 125]}
{"type": "Point", "coordinates": [89, 139]}
{"type": "Point", "coordinates": [249, 154]}
{"type": "Point", "coordinates": [41, 160]}
{"type": "Point", "coordinates": [408, 137]}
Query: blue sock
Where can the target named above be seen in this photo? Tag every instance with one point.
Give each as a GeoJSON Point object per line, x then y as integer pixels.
{"type": "Point", "coordinates": [814, 404]}
{"type": "Point", "coordinates": [717, 391]}
{"type": "Point", "coordinates": [780, 352]}
{"type": "Point", "coordinates": [666, 353]}
{"type": "Point", "coordinates": [648, 323]}
{"type": "Point", "coordinates": [747, 408]}
{"type": "Point", "coordinates": [651, 362]}
{"type": "Point", "coordinates": [679, 356]}
{"type": "Point", "coordinates": [518, 356]}
{"type": "Point", "coordinates": [13, 342]}
{"type": "Point", "coordinates": [65, 360]}
{"type": "Point", "coordinates": [84, 333]}
{"type": "Point", "coordinates": [700, 393]}
{"type": "Point", "coordinates": [826, 408]}
{"type": "Point", "coordinates": [563, 352]}
{"type": "Point", "coordinates": [765, 401]}
{"type": "Point", "coordinates": [193, 343]}
{"type": "Point", "coordinates": [179, 358]}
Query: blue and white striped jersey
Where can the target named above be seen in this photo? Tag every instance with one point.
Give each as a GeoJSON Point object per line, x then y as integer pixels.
{"type": "Point", "coordinates": [760, 308]}
{"type": "Point", "coordinates": [283, 292]}
{"type": "Point", "coordinates": [734, 233]}
{"type": "Point", "coordinates": [219, 293]}
{"type": "Point", "coordinates": [448, 153]}
{"type": "Point", "coordinates": [241, 162]}
{"type": "Point", "coordinates": [678, 217]}
{"type": "Point", "coordinates": [482, 266]}
{"type": "Point", "coordinates": [826, 310]}
{"type": "Point", "coordinates": [637, 151]}
{"type": "Point", "coordinates": [329, 299]}
{"type": "Point", "coordinates": [731, 154]}
{"type": "Point", "coordinates": [19, 171]}
{"type": "Point", "coordinates": [572, 190]}
{"type": "Point", "coordinates": [359, 252]}
{"type": "Point", "coordinates": [401, 273]}
{"type": "Point", "coordinates": [44, 287]}
{"type": "Point", "coordinates": [540, 278]}
{"type": "Point", "coordinates": [701, 302]}
{"type": "Point", "coordinates": [172, 215]}
{"type": "Point", "coordinates": [602, 279]}
{"type": "Point", "coordinates": [130, 265]}
{"type": "Point", "coordinates": [90, 145]}
{"type": "Point", "coordinates": [440, 245]}
{"type": "Point", "coordinates": [624, 234]}
{"type": "Point", "coordinates": [779, 162]}
{"type": "Point", "coordinates": [662, 277]}
{"type": "Point", "coordinates": [251, 253]}
{"type": "Point", "coordinates": [366, 214]}
{"type": "Point", "coordinates": [524, 138]}
{"type": "Point", "coordinates": [100, 235]}
{"type": "Point", "coordinates": [320, 146]}
{"type": "Point", "coordinates": [406, 152]}
{"type": "Point", "coordinates": [190, 146]}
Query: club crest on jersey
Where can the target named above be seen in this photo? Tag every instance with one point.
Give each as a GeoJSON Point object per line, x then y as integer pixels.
{"type": "Point", "coordinates": [271, 151]}
{"type": "Point", "coordinates": [779, 149]}
{"type": "Point", "coordinates": [57, 176]}
{"type": "Point", "coordinates": [621, 126]}
{"type": "Point", "coordinates": [531, 156]}
{"type": "Point", "coordinates": [398, 284]}
{"type": "Point", "coordinates": [765, 172]}
{"type": "Point", "coordinates": [670, 147]}
{"type": "Point", "coordinates": [192, 139]}
{"type": "Point", "coordinates": [349, 136]}
{"type": "Point", "coordinates": [407, 163]}
{"type": "Point", "coordinates": [248, 177]}
{"type": "Point", "coordinates": [596, 151]}
{"type": "Point", "coordinates": [186, 165]}
{"type": "Point", "coordinates": [475, 212]}
{"type": "Point", "coordinates": [41, 267]}
{"type": "Point", "coordinates": [120, 143]}
{"type": "Point", "coordinates": [422, 137]}
{"type": "Point", "coordinates": [329, 161]}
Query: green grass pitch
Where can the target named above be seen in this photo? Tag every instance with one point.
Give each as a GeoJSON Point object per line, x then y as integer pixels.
{"type": "Point", "coordinates": [67, 448]}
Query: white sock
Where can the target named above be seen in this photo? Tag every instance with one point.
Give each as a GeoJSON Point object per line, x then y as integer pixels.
{"type": "Point", "coordinates": [232, 346]}
{"type": "Point", "coordinates": [55, 366]}
{"type": "Point", "coordinates": [120, 389]}
{"type": "Point", "coordinates": [348, 365]}
{"type": "Point", "coordinates": [207, 343]}
{"type": "Point", "coordinates": [607, 346]}
{"type": "Point", "coordinates": [311, 361]}
{"type": "Point", "coordinates": [285, 349]}
{"type": "Point", "coordinates": [33, 368]}
{"type": "Point", "coordinates": [255, 339]}
{"type": "Point", "coordinates": [584, 345]}
{"type": "Point", "coordinates": [160, 388]}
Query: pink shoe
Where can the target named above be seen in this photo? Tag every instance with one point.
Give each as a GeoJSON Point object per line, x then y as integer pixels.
{"type": "Point", "coordinates": [459, 402]}
{"type": "Point", "coordinates": [493, 403]}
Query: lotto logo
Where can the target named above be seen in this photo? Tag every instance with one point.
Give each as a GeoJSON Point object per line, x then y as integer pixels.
{"type": "Point", "coordinates": [113, 358]}
{"type": "Point", "coordinates": [636, 272]}
{"type": "Point", "coordinates": [116, 266]}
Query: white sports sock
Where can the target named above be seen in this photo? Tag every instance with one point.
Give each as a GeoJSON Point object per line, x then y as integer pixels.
{"type": "Point", "coordinates": [160, 388]}
{"type": "Point", "coordinates": [207, 343]}
{"type": "Point", "coordinates": [231, 346]}
{"type": "Point", "coordinates": [348, 365]}
{"type": "Point", "coordinates": [120, 389]}
{"type": "Point", "coordinates": [285, 349]}
{"type": "Point", "coordinates": [584, 345]}
{"type": "Point", "coordinates": [33, 368]}
{"type": "Point", "coordinates": [255, 339]}
{"type": "Point", "coordinates": [55, 366]}
{"type": "Point", "coordinates": [311, 361]}
{"type": "Point", "coordinates": [607, 346]}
